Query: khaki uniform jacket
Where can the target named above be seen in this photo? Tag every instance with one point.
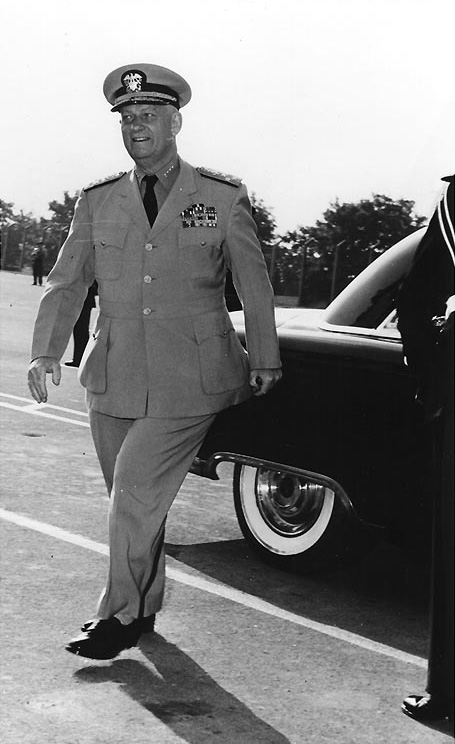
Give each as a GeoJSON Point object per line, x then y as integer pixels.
{"type": "Point", "coordinates": [164, 344]}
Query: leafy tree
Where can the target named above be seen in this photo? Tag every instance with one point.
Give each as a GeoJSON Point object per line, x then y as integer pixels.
{"type": "Point", "coordinates": [265, 222]}
{"type": "Point", "coordinates": [6, 212]}
{"type": "Point", "coordinates": [55, 229]}
{"type": "Point", "coordinates": [337, 248]}
{"type": "Point", "coordinates": [301, 268]}
{"type": "Point", "coordinates": [362, 231]}
{"type": "Point", "coordinates": [266, 226]}
{"type": "Point", "coordinates": [63, 211]}
{"type": "Point", "coordinates": [18, 232]}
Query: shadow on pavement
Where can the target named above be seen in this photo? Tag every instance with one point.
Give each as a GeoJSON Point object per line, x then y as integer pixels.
{"type": "Point", "coordinates": [183, 696]}
{"type": "Point", "coordinates": [383, 597]}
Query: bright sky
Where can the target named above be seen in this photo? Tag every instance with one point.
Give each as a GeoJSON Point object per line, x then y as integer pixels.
{"type": "Point", "coordinates": [306, 100]}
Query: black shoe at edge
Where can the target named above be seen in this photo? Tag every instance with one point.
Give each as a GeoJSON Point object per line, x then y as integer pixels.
{"type": "Point", "coordinates": [104, 639]}
{"type": "Point", "coordinates": [424, 708]}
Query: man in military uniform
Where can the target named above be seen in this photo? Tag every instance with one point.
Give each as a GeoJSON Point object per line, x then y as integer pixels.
{"type": "Point", "coordinates": [164, 358]}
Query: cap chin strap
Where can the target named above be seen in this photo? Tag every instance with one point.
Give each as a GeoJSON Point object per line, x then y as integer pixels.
{"type": "Point", "coordinates": [149, 93]}
{"type": "Point", "coordinates": [152, 101]}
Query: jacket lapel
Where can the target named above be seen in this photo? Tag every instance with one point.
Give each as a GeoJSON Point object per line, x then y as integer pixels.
{"type": "Point", "coordinates": [180, 197]}
{"type": "Point", "coordinates": [129, 200]}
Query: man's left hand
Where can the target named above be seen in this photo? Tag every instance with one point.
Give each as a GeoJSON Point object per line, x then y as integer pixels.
{"type": "Point", "coordinates": [263, 380]}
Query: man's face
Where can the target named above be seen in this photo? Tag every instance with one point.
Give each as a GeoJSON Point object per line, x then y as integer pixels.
{"type": "Point", "coordinates": [149, 133]}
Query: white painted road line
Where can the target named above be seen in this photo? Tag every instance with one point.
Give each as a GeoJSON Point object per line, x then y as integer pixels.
{"type": "Point", "coordinates": [42, 409]}
{"type": "Point", "coordinates": [40, 412]}
{"type": "Point", "coordinates": [198, 581]}
{"type": "Point", "coordinates": [29, 404]}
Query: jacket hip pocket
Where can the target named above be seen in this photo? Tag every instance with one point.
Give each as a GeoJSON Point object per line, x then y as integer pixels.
{"type": "Point", "coordinates": [223, 360]}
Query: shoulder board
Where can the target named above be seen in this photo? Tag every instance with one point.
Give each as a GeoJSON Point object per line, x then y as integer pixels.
{"type": "Point", "coordinates": [222, 177]}
{"type": "Point", "coordinates": [102, 181]}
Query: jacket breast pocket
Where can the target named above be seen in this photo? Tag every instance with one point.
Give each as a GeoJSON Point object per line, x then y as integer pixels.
{"type": "Point", "coordinates": [223, 360]}
{"type": "Point", "coordinates": [200, 249]}
{"type": "Point", "coordinates": [108, 244]}
{"type": "Point", "coordinates": [93, 367]}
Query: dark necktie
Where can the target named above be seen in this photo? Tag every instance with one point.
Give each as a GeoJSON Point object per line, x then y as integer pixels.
{"type": "Point", "coordinates": [150, 203]}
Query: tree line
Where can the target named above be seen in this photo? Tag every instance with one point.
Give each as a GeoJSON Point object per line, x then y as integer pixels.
{"type": "Point", "coordinates": [308, 266]}
{"type": "Point", "coordinates": [20, 232]}
{"type": "Point", "coordinates": [313, 264]}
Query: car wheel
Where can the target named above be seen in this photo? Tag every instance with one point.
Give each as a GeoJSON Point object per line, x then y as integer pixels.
{"type": "Point", "coordinates": [293, 523]}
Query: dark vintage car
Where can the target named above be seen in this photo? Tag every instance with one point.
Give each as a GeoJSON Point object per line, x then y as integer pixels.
{"type": "Point", "coordinates": [333, 456]}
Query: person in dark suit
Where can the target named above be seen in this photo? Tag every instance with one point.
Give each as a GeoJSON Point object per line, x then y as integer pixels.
{"type": "Point", "coordinates": [81, 330]}
{"type": "Point", "coordinates": [38, 256]}
{"type": "Point", "coordinates": [426, 306]}
{"type": "Point", "coordinates": [164, 357]}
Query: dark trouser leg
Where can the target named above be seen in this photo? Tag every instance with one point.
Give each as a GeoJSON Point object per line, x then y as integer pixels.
{"type": "Point", "coordinates": [440, 683]}
{"type": "Point", "coordinates": [81, 334]}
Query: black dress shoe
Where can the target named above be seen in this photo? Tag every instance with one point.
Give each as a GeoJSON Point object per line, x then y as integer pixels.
{"type": "Point", "coordinates": [424, 708]}
{"type": "Point", "coordinates": [104, 639]}
{"type": "Point", "coordinates": [71, 364]}
{"type": "Point", "coordinates": [144, 625]}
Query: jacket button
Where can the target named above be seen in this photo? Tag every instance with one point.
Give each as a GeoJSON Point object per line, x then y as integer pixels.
{"type": "Point", "coordinates": [148, 247]}
{"type": "Point", "coordinates": [147, 311]}
{"type": "Point", "coordinates": [203, 242]}
{"type": "Point", "coordinates": [147, 279]}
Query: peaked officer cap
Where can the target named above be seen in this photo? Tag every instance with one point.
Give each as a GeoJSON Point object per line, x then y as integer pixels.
{"type": "Point", "coordinates": [144, 83]}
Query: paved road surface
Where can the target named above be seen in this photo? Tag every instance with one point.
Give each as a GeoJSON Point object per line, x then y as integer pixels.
{"type": "Point", "coordinates": [243, 654]}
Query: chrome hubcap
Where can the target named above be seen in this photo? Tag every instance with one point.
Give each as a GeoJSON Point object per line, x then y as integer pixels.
{"type": "Point", "coordinates": [289, 504]}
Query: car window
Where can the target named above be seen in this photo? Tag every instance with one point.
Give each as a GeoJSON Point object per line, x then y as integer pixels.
{"type": "Point", "coordinates": [389, 327]}
{"type": "Point", "coordinates": [371, 297]}
{"type": "Point", "coordinates": [391, 321]}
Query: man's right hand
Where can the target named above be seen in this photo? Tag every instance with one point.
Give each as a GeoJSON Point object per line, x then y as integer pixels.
{"type": "Point", "coordinates": [37, 376]}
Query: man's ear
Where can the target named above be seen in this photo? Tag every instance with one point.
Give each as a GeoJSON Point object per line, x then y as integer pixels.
{"type": "Point", "coordinates": [176, 122]}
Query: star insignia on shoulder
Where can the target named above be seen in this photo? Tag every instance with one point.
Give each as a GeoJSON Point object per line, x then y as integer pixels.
{"type": "Point", "coordinates": [221, 177]}
{"type": "Point", "coordinates": [102, 181]}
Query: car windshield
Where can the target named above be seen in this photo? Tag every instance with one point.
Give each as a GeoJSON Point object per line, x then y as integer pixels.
{"type": "Point", "coordinates": [371, 297]}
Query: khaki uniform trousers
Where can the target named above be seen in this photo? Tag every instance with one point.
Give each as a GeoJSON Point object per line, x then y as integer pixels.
{"type": "Point", "coordinates": [144, 463]}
